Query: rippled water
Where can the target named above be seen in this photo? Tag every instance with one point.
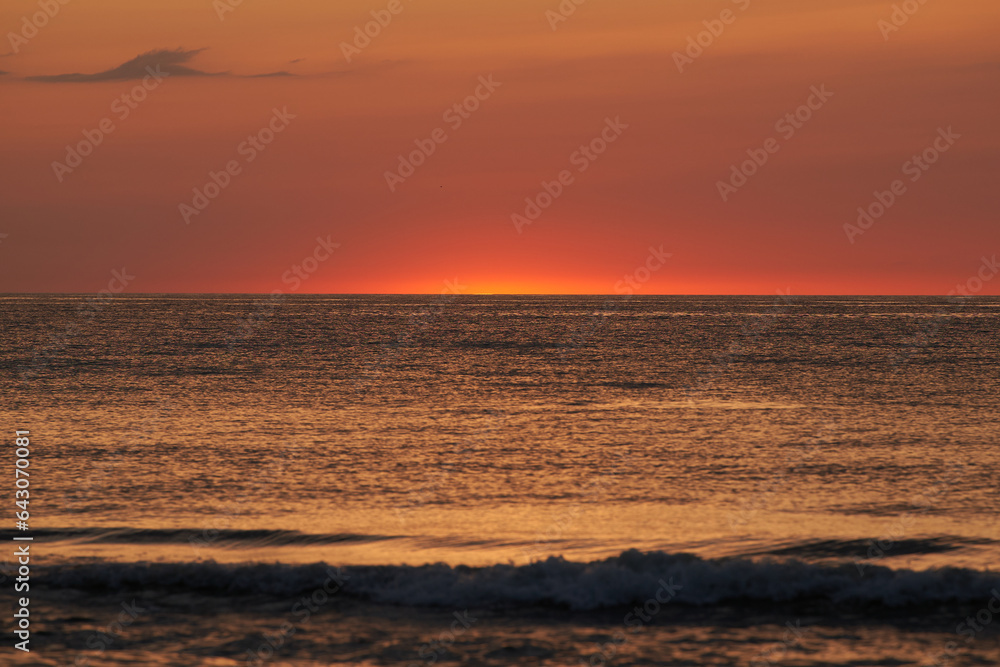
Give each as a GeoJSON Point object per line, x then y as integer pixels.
{"type": "Point", "coordinates": [853, 437]}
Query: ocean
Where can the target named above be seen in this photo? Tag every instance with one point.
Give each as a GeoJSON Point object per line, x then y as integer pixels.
{"type": "Point", "coordinates": [487, 480]}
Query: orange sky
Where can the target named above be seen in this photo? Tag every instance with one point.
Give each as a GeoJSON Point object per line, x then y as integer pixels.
{"type": "Point", "coordinates": [656, 185]}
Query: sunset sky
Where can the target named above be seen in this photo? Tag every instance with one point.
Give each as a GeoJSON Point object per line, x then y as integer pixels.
{"type": "Point", "coordinates": [894, 94]}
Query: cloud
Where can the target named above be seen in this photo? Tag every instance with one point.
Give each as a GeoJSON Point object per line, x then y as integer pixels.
{"type": "Point", "coordinates": [375, 67]}
{"type": "Point", "coordinates": [171, 62]}
{"type": "Point", "coordinates": [3, 72]}
{"type": "Point", "coordinates": [297, 60]}
{"type": "Point", "coordinates": [269, 74]}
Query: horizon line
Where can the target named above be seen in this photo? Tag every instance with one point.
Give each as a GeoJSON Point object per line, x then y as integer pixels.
{"type": "Point", "coordinates": [531, 294]}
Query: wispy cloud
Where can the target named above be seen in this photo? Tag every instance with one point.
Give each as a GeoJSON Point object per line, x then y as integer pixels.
{"type": "Point", "coordinates": [269, 74]}
{"type": "Point", "coordinates": [173, 62]}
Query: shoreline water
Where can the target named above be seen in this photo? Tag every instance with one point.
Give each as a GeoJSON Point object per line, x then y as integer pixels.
{"type": "Point", "coordinates": [834, 505]}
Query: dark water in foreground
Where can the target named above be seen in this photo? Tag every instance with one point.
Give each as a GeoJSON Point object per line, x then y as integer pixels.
{"type": "Point", "coordinates": [496, 480]}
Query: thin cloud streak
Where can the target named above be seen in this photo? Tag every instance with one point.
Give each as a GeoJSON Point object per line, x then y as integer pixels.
{"type": "Point", "coordinates": [171, 62]}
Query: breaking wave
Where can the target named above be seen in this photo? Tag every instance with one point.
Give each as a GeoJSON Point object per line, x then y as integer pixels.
{"type": "Point", "coordinates": [632, 577]}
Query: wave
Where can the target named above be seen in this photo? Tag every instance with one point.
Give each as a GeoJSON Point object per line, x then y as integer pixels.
{"type": "Point", "coordinates": [632, 577]}
{"type": "Point", "coordinates": [222, 538]}
{"type": "Point", "coordinates": [814, 549]}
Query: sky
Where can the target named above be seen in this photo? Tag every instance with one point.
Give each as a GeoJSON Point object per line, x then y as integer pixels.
{"type": "Point", "coordinates": [634, 146]}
